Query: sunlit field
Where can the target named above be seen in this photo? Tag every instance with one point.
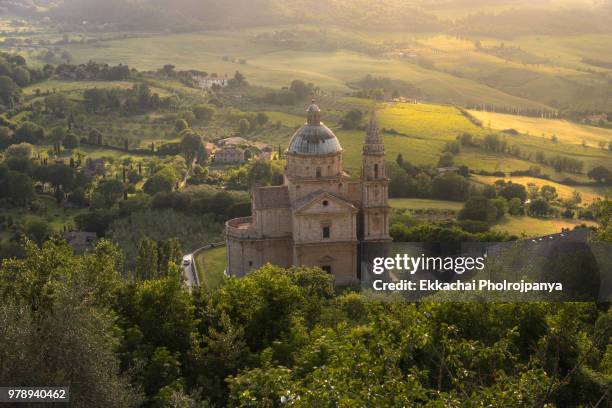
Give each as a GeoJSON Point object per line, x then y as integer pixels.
{"type": "Point", "coordinates": [432, 122]}
{"type": "Point", "coordinates": [532, 227]}
{"type": "Point", "coordinates": [587, 193]}
{"type": "Point", "coordinates": [565, 131]}
{"type": "Point", "coordinates": [270, 66]}
{"type": "Point", "coordinates": [421, 203]}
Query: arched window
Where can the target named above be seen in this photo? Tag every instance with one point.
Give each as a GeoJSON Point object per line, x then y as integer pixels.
{"type": "Point", "coordinates": [318, 172]}
{"type": "Point", "coordinates": [376, 170]}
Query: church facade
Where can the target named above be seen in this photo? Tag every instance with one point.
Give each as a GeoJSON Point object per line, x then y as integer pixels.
{"type": "Point", "coordinates": [320, 216]}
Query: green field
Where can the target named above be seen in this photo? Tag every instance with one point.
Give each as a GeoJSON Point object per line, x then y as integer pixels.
{"type": "Point", "coordinates": [425, 129]}
{"type": "Point", "coordinates": [588, 193]}
{"type": "Point", "coordinates": [74, 86]}
{"type": "Point", "coordinates": [421, 203]}
{"type": "Point", "coordinates": [426, 121]}
{"type": "Point", "coordinates": [565, 131]}
{"type": "Point", "coordinates": [272, 66]}
{"type": "Point", "coordinates": [210, 265]}
{"type": "Point", "coordinates": [536, 226]}
{"type": "Point", "coordinates": [285, 119]}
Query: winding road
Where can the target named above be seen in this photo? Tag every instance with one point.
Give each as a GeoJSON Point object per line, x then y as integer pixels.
{"type": "Point", "coordinates": [189, 272]}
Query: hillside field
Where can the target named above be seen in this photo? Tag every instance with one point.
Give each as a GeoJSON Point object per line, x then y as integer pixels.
{"type": "Point", "coordinates": [532, 227]}
{"type": "Point", "coordinates": [423, 203]}
{"type": "Point", "coordinates": [565, 131]}
{"type": "Point", "coordinates": [273, 66]}
{"type": "Point", "coordinates": [588, 193]}
{"type": "Point", "coordinates": [420, 132]}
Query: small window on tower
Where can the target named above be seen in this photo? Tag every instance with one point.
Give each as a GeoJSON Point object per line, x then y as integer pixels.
{"type": "Point", "coordinates": [326, 232]}
{"type": "Point", "coordinates": [376, 171]}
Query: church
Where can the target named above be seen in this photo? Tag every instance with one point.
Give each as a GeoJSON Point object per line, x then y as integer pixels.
{"type": "Point", "coordinates": [320, 216]}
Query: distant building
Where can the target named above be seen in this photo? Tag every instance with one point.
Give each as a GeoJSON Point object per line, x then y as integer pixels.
{"type": "Point", "coordinates": [266, 156]}
{"type": "Point", "coordinates": [232, 141]}
{"type": "Point", "coordinates": [94, 166]}
{"type": "Point", "coordinates": [80, 241]}
{"type": "Point", "coordinates": [209, 82]}
{"type": "Point", "coordinates": [230, 155]}
{"type": "Point", "coordinates": [444, 170]}
{"type": "Point", "coordinates": [598, 117]}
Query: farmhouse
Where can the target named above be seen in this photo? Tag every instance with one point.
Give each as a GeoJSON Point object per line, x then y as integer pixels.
{"type": "Point", "coordinates": [80, 241]}
{"type": "Point", "coordinates": [209, 82]}
{"type": "Point", "coordinates": [319, 216]}
{"type": "Point", "coordinates": [230, 155]}
{"type": "Point", "coordinates": [232, 141]}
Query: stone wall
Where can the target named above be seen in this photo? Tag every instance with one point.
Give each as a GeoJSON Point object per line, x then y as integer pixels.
{"type": "Point", "coordinates": [249, 254]}
{"type": "Point", "coordinates": [340, 257]}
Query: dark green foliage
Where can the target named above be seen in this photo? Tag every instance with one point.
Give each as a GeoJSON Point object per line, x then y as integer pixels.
{"type": "Point", "coordinates": [467, 231]}
{"type": "Point", "coordinates": [479, 209]}
{"type": "Point", "coordinates": [71, 141]}
{"type": "Point", "coordinates": [352, 119]}
{"type": "Point", "coordinates": [162, 181]}
{"type": "Point", "coordinates": [203, 113]}
{"type": "Point", "coordinates": [191, 144]}
{"type": "Point", "coordinates": [110, 190]}
{"type": "Point", "coordinates": [298, 91]}
{"type": "Point", "coordinates": [16, 186]}
{"type": "Point", "coordinates": [57, 317]}
{"type": "Point", "coordinates": [9, 91]}
{"type": "Point", "coordinates": [450, 186]}
{"type": "Point", "coordinates": [539, 207]}
{"type": "Point", "coordinates": [96, 221]}
{"type": "Point", "coordinates": [38, 231]}
{"type": "Point", "coordinates": [446, 160]}
{"type": "Point", "coordinates": [512, 190]}
{"type": "Point", "coordinates": [29, 132]}
{"type": "Point", "coordinates": [191, 230]}
{"type": "Point", "coordinates": [6, 137]}
{"type": "Point", "coordinates": [284, 335]}
{"type": "Point", "coordinates": [600, 174]}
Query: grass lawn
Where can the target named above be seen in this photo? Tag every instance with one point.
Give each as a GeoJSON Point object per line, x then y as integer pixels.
{"type": "Point", "coordinates": [536, 226]}
{"type": "Point", "coordinates": [210, 265]}
{"type": "Point", "coordinates": [421, 203]}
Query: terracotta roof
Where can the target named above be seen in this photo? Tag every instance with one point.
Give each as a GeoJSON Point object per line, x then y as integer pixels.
{"type": "Point", "coordinates": [271, 197]}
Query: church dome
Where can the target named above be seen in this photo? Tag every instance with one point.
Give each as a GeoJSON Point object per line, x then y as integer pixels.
{"type": "Point", "coordinates": [314, 138]}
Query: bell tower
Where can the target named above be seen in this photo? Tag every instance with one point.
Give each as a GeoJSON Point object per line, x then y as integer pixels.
{"type": "Point", "coordinates": [375, 185]}
{"type": "Point", "coordinates": [375, 195]}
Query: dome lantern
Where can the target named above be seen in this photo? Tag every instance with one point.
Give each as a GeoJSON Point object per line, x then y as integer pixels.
{"type": "Point", "coordinates": [314, 114]}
